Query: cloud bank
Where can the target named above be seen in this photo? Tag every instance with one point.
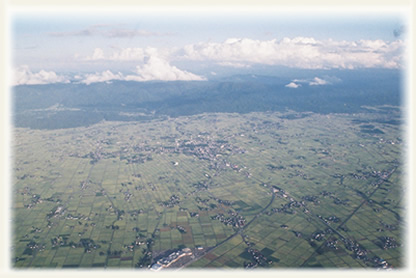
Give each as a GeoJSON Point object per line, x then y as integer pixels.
{"type": "Point", "coordinates": [300, 52]}
{"type": "Point", "coordinates": [104, 76]}
{"type": "Point", "coordinates": [24, 76]}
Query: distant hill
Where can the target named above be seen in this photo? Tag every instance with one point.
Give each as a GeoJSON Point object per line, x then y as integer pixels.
{"type": "Point", "coordinates": [70, 105]}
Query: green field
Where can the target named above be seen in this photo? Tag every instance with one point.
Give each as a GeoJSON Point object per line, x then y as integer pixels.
{"type": "Point", "coordinates": [271, 190]}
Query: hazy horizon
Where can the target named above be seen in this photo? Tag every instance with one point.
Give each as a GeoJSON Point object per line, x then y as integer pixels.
{"type": "Point", "coordinates": [86, 47]}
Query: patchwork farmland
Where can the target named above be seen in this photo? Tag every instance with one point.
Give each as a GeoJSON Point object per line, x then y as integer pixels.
{"type": "Point", "coordinates": [255, 190]}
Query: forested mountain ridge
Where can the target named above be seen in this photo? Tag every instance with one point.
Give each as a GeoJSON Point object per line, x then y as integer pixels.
{"type": "Point", "coordinates": [69, 105]}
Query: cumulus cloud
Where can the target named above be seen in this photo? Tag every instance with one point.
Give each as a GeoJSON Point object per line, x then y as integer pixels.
{"type": "Point", "coordinates": [98, 54]}
{"type": "Point", "coordinates": [293, 85]}
{"type": "Point", "coordinates": [300, 52]}
{"type": "Point", "coordinates": [24, 76]}
{"type": "Point", "coordinates": [157, 68]}
{"type": "Point", "coordinates": [126, 54]}
{"type": "Point", "coordinates": [318, 81]}
{"type": "Point", "coordinates": [154, 68]}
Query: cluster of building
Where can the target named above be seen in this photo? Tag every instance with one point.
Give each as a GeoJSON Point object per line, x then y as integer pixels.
{"type": "Point", "coordinates": [194, 214]}
{"type": "Point", "coordinates": [88, 245]}
{"type": "Point", "coordinates": [206, 148]}
{"type": "Point", "coordinates": [388, 226]}
{"type": "Point", "coordinates": [331, 195]}
{"type": "Point", "coordinates": [235, 220]}
{"type": "Point", "coordinates": [318, 236]}
{"type": "Point", "coordinates": [311, 198]}
{"type": "Point", "coordinates": [127, 195]}
{"type": "Point", "coordinates": [200, 186]}
{"type": "Point", "coordinates": [338, 201]}
{"type": "Point", "coordinates": [206, 205]}
{"type": "Point", "coordinates": [59, 241]}
{"type": "Point", "coordinates": [165, 262]}
{"type": "Point", "coordinates": [332, 244]}
{"type": "Point", "coordinates": [330, 219]}
{"type": "Point", "coordinates": [201, 147]}
{"type": "Point", "coordinates": [258, 259]}
{"type": "Point", "coordinates": [358, 177]}
{"type": "Point", "coordinates": [56, 212]}
{"type": "Point", "coordinates": [34, 246]}
{"type": "Point", "coordinates": [36, 230]}
{"type": "Point", "coordinates": [94, 156]}
{"type": "Point", "coordinates": [359, 252]}
{"type": "Point", "coordinates": [380, 263]}
{"type": "Point", "coordinates": [287, 208]}
{"type": "Point", "coordinates": [138, 242]}
{"type": "Point", "coordinates": [389, 242]}
{"type": "Point", "coordinates": [34, 200]}
{"type": "Point", "coordinates": [173, 200]}
{"type": "Point", "coordinates": [384, 175]}
{"type": "Point", "coordinates": [181, 229]}
{"type": "Point", "coordinates": [135, 213]}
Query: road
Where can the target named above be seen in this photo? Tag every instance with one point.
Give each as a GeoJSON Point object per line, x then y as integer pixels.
{"type": "Point", "coordinates": [238, 232]}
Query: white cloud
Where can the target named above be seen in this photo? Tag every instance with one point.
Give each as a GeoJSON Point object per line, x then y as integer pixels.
{"type": "Point", "coordinates": [300, 52]}
{"type": "Point", "coordinates": [318, 81]}
{"type": "Point", "coordinates": [157, 68]}
{"type": "Point", "coordinates": [104, 76]}
{"type": "Point", "coordinates": [24, 76]}
{"type": "Point", "coordinates": [97, 55]}
{"type": "Point", "coordinates": [126, 54]}
{"type": "Point", "coordinates": [293, 85]}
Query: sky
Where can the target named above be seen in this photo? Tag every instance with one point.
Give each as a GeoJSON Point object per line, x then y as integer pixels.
{"type": "Point", "coordinates": [102, 46]}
